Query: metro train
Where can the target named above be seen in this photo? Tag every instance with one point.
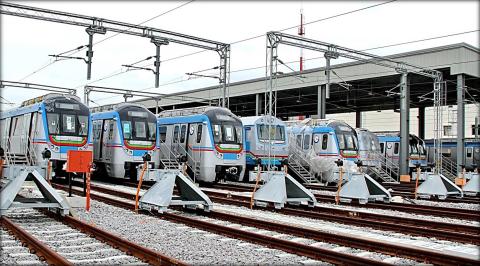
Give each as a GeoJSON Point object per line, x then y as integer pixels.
{"type": "Point", "coordinates": [209, 138]}
{"type": "Point", "coordinates": [265, 139]}
{"type": "Point", "coordinates": [122, 134]}
{"type": "Point", "coordinates": [57, 122]}
{"type": "Point", "coordinates": [449, 150]}
{"type": "Point", "coordinates": [390, 148]}
{"type": "Point", "coordinates": [368, 147]}
{"type": "Point", "coordinates": [323, 142]}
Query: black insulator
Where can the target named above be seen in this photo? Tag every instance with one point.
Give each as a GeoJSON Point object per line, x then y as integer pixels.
{"type": "Point", "coordinates": [147, 157]}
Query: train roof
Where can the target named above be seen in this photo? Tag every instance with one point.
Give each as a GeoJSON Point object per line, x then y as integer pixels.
{"type": "Point", "coordinates": [115, 107]}
{"type": "Point", "coordinates": [34, 104]}
{"type": "Point", "coordinates": [260, 119]}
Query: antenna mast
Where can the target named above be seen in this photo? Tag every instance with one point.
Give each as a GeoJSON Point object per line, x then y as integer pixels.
{"type": "Point", "coordinates": [301, 33]}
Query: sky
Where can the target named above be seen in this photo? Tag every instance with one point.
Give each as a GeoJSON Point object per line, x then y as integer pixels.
{"type": "Point", "coordinates": [26, 43]}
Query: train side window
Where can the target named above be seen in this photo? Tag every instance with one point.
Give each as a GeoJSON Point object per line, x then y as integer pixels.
{"type": "Point", "coordinates": [175, 134]}
{"type": "Point", "coordinates": [382, 147]}
{"type": "Point", "coordinates": [396, 148]}
{"type": "Point", "coordinates": [199, 133]}
{"type": "Point", "coordinates": [324, 141]}
{"type": "Point", "coordinates": [299, 140]}
{"type": "Point", "coordinates": [183, 133]}
{"type": "Point", "coordinates": [469, 152]}
{"type": "Point", "coordinates": [306, 142]}
{"type": "Point", "coordinates": [162, 131]}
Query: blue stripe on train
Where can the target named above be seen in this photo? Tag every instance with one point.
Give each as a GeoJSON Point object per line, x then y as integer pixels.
{"type": "Point", "coordinates": [229, 156]}
{"type": "Point", "coordinates": [64, 149]}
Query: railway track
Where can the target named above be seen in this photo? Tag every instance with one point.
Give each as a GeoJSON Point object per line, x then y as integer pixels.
{"type": "Point", "coordinates": [68, 241]}
{"type": "Point", "coordinates": [406, 191]}
{"type": "Point", "coordinates": [455, 213]}
{"type": "Point", "coordinates": [418, 254]}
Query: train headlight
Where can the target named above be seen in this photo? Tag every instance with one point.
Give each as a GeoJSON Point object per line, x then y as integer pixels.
{"type": "Point", "coordinates": [219, 155]}
{"type": "Point", "coordinates": [238, 155]}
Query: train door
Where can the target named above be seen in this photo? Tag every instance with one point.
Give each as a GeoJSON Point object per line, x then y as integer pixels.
{"type": "Point", "coordinates": [162, 142]}
{"type": "Point", "coordinates": [110, 139]}
{"type": "Point", "coordinates": [248, 138]}
{"type": "Point", "coordinates": [307, 139]}
{"type": "Point", "coordinates": [391, 152]}
{"type": "Point", "coordinates": [476, 156]}
{"type": "Point", "coordinates": [97, 139]}
{"type": "Point", "coordinates": [6, 132]}
{"type": "Point", "coordinates": [468, 156]}
{"type": "Point", "coordinates": [175, 140]}
{"type": "Point", "coordinates": [191, 142]}
{"type": "Point", "coordinates": [183, 139]}
{"type": "Point", "coordinates": [24, 139]}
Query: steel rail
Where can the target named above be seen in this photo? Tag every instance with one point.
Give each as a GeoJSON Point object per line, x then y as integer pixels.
{"type": "Point", "coordinates": [316, 253]}
{"type": "Point", "coordinates": [40, 249]}
{"type": "Point", "coordinates": [148, 255]}
{"type": "Point", "coordinates": [419, 254]}
{"type": "Point", "coordinates": [452, 232]}
{"type": "Point", "coordinates": [455, 213]}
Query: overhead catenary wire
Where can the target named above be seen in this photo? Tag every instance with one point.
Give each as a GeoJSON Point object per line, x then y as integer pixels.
{"type": "Point", "coordinates": [104, 39]}
{"type": "Point", "coordinates": [261, 35]}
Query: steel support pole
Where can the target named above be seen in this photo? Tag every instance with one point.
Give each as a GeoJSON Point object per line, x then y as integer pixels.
{"type": "Point", "coordinates": [257, 104]}
{"type": "Point", "coordinates": [157, 65]}
{"type": "Point", "coordinates": [460, 122]}
{"type": "Point", "coordinates": [321, 101]}
{"type": "Point", "coordinates": [421, 122]}
{"type": "Point", "coordinates": [89, 54]}
{"type": "Point", "coordinates": [404, 124]}
{"type": "Point", "coordinates": [358, 119]}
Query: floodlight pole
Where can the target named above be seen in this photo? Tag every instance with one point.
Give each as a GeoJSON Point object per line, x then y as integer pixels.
{"type": "Point", "coordinates": [158, 42]}
{"type": "Point", "coordinates": [96, 28]}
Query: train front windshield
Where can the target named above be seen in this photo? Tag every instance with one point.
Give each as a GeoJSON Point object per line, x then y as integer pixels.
{"type": "Point", "coordinates": [227, 133]}
{"type": "Point", "coordinates": [226, 127]}
{"type": "Point", "coordinates": [347, 139]}
{"type": "Point", "coordinates": [277, 132]}
{"type": "Point", "coordinates": [138, 125]}
{"type": "Point", "coordinates": [69, 119]}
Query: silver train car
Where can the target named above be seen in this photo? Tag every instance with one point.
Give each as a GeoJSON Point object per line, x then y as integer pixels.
{"type": "Point", "coordinates": [56, 122]}
{"type": "Point", "coordinates": [368, 147]}
{"type": "Point", "coordinates": [259, 132]}
{"type": "Point", "coordinates": [322, 142]}
{"type": "Point", "coordinates": [210, 140]}
{"type": "Point", "coordinates": [390, 148]}
{"type": "Point", "coordinates": [449, 150]}
{"type": "Point", "coordinates": [121, 136]}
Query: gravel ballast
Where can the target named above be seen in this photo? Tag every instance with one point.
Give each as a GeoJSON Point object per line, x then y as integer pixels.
{"type": "Point", "coordinates": [188, 244]}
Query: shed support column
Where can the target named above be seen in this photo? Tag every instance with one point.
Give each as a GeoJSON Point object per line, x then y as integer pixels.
{"type": "Point", "coordinates": [321, 104]}
{"type": "Point", "coordinates": [257, 104]}
{"type": "Point", "coordinates": [421, 122]}
{"type": "Point", "coordinates": [404, 124]}
{"type": "Point", "coordinates": [460, 122]}
{"type": "Point", "coordinates": [358, 119]}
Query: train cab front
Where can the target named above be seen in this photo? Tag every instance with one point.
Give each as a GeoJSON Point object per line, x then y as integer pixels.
{"type": "Point", "coordinates": [138, 137]}
{"type": "Point", "coordinates": [228, 142]}
{"type": "Point", "coordinates": [67, 128]}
